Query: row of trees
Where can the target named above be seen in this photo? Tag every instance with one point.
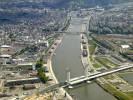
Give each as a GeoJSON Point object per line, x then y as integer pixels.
{"type": "Point", "coordinates": [40, 69]}
{"type": "Point", "coordinates": [126, 56]}
{"type": "Point", "coordinates": [103, 43]}
{"type": "Point", "coordinates": [67, 23]}
{"type": "Point", "coordinates": [32, 48]}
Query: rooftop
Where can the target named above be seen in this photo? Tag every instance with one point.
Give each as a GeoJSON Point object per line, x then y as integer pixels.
{"type": "Point", "coordinates": [5, 46]}
{"type": "Point", "coordinates": [5, 56]}
{"type": "Point", "coordinates": [125, 46]}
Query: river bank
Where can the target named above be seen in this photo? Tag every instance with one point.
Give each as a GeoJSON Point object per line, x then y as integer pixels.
{"type": "Point", "coordinates": [87, 63]}
{"type": "Point", "coordinates": [61, 93]}
{"type": "Point", "coordinates": [115, 86]}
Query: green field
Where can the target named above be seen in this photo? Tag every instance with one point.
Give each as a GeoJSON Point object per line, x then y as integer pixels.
{"type": "Point", "coordinates": [97, 65]}
{"type": "Point", "coordinates": [92, 47]}
{"type": "Point", "coordinates": [130, 94]}
{"type": "Point", "coordinates": [118, 94]}
{"type": "Point", "coordinates": [106, 62]}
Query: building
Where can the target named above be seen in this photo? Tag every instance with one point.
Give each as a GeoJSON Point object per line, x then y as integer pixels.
{"type": "Point", "coordinates": [5, 59]}
{"type": "Point", "coordinates": [29, 86]}
{"type": "Point", "coordinates": [124, 48]}
{"type": "Point", "coordinates": [22, 81]}
{"type": "Point", "coordinates": [43, 43]}
{"type": "Point", "coordinates": [6, 49]}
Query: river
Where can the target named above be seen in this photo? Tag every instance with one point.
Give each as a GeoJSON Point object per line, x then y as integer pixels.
{"type": "Point", "coordinates": [68, 56]}
{"type": "Point", "coordinates": [128, 77]}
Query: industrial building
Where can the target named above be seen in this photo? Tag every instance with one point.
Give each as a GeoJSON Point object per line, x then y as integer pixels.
{"type": "Point", "coordinates": [22, 81]}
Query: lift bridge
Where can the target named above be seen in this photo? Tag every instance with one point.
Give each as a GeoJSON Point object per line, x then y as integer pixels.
{"type": "Point", "coordinates": [87, 77]}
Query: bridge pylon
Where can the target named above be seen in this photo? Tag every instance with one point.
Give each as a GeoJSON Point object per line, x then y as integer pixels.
{"type": "Point", "coordinates": [86, 69]}
{"type": "Point", "coordinates": [68, 78]}
{"type": "Point", "coordinates": [86, 72]}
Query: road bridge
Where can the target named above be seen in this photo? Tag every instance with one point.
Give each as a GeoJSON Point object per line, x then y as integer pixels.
{"type": "Point", "coordinates": [82, 79]}
{"type": "Point", "coordinates": [86, 78]}
{"type": "Point", "coordinates": [70, 33]}
{"type": "Point", "coordinates": [53, 87]}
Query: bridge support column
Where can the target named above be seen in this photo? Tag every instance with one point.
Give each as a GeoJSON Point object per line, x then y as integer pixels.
{"type": "Point", "coordinates": [86, 71]}
{"type": "Point", "coordinates": [68, 79]}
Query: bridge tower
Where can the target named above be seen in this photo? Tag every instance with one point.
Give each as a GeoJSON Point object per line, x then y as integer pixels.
{"type": "Point", "coordinates": [68, 78]}
{"type": "Point", "coordinates": [86, 70]}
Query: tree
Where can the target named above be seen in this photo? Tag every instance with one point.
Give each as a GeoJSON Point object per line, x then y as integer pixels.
{"type": "Point", "coordinates": [39, 64]}
{"type": "Point", "coordinates": [42, 75]}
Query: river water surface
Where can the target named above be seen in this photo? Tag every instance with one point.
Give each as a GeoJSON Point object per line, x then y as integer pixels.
{"type": "Point", "coordinates": [68, 56]}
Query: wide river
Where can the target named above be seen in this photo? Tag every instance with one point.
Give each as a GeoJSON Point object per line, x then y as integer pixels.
{"type": "Point", "coordinates": [68, 56]}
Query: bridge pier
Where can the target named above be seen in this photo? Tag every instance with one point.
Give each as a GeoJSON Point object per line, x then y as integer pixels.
{"type": "Point", "coordinates": [68, 79]}
{"type": "Point", "coordinates": [86, 71]}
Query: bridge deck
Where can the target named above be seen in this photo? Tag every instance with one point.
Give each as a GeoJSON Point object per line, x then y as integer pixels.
{"type": "Point", "coordinates": [73, 80]}
{"type": "Point", "coordinates": [81, 79]}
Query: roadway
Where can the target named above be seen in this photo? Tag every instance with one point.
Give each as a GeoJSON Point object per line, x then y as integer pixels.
{"type": "Point", "coordinates": [100, 74]}
{"type": "Point", "coordinates": [82, 79]}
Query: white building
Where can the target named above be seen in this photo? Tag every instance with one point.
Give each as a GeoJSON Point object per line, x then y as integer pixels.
{"type": "Point", "coordinates": [6, 49]}
{"type": "Point", "coordinates": [124, 48]}
{"type": "Point", "coordinates": [5, 59]}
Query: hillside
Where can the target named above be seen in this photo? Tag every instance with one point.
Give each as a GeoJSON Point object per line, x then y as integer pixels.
{"type": "Point", "coordinates": [118, 20]}
{"type": "Point", "coordinates": [68, 3]}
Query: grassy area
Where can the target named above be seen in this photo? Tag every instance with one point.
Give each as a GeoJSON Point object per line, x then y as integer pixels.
{"type": "Point", "coordinates": [126, 72]}
{"type": "Point", "coordinates": [129, 52]}
{"type": "Point", "coordinates": [97, 65]}
{"type": "Point", "coordinates": [50, 40]}
{"type": "Point", "coordinates": [130, 94]}
{"type": "Point", "coordinates": [109, 77]}
{"type": "Point", "coordinates": [106, 62]}
{"type": "Point", "coordinates": [92, 47]}
{"type": "Point", "coordinates": [118, 94]}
